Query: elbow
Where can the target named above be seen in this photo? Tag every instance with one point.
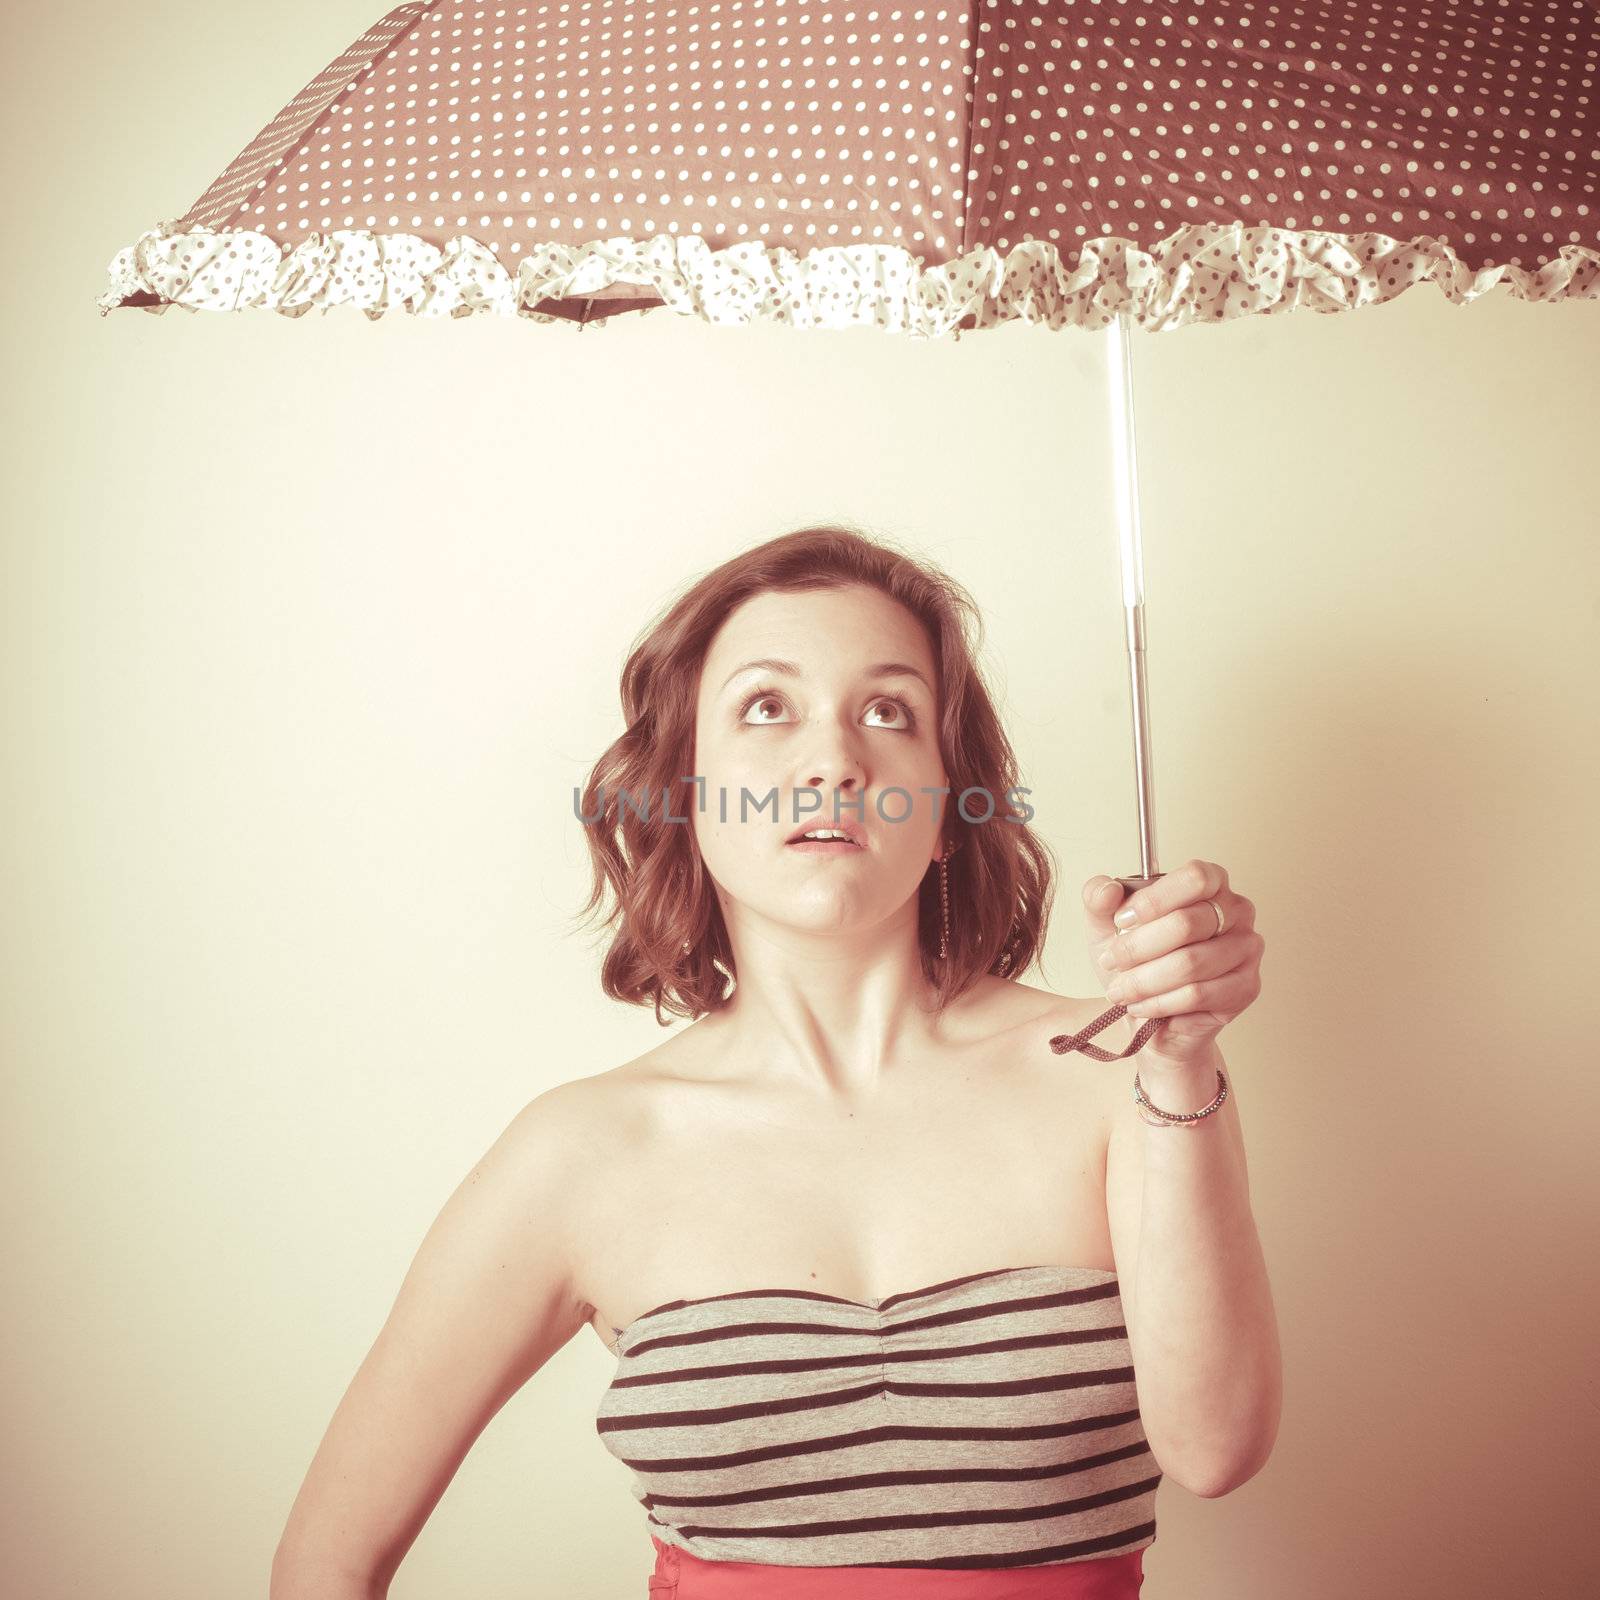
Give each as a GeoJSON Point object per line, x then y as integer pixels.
{"type": "Point", "coordinates": [1215, 1487]}
{"type": "Point", "coordinates": [1231, 1469]}
{"type": "Point", "coordinates": [1237, 1472]}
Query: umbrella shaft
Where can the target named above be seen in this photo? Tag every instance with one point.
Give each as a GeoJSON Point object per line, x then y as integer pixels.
{"type": "Point", "coordinates": [1144, 776]}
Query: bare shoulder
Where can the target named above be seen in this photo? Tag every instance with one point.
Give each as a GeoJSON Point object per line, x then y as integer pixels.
{"type": "Point", "coordinates": [607, 1123]}
{"type": "Point", "coordinates": [1096, 1087]}
{"type": "Point", "coordinates": [555, 1160]}
{"type": "Point", "coordinates": [554, 1138]}
{"type": "Point", "coordinates": [609, 1111]}
{"type": "Point", "coordinates": [1044, 1015]}
{"type": "Point", "coordinates": [646, 1123]}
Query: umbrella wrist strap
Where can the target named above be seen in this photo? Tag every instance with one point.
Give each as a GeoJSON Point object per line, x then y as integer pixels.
{"type": "Point", "coordinates": [1082, 1040]}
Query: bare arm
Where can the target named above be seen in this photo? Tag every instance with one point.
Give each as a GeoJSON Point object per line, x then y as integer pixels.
{"type": "Point", "coordinates": [488, 1300]}
{"type": "Point", "coordinates": [1195, 1292]}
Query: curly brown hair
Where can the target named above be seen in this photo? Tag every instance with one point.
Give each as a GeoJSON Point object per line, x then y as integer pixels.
{"type": "Point", "coordinates": [671, 944]}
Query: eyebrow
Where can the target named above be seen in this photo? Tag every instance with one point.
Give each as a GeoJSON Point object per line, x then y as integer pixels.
{"type": "Point", "coordinates": [884, 669]}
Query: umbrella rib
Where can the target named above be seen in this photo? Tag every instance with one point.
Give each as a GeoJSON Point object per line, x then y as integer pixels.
{"type": "Point", "coordinates": [267, 153]}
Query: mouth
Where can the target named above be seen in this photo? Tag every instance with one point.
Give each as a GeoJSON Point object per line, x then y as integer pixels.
{"type": "Point", "coordinates": [853, 838]}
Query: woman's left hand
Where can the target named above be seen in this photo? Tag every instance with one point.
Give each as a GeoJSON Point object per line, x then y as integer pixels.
{"type": "Point", "coordinates": [1171, 962]}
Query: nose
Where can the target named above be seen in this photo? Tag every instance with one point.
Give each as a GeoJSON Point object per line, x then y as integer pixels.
{"type": "Point", "coordinates": [835, 759]}
{"type": "Point", "coordinates": [850, 787]}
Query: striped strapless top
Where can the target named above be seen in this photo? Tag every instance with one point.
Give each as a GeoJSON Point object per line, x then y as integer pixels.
{"type": "Point", "coordinates": [987, 1421]}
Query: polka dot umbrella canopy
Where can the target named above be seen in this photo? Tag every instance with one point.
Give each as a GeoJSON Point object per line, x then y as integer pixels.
{"type": "Point", "coordinates": [925, 169]}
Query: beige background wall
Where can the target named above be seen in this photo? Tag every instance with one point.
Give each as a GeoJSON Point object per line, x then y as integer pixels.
{"type": "Point", "coordinates": [308, 629]}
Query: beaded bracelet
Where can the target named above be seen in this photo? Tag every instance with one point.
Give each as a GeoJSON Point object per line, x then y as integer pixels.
{"type": "Point", "coordinates": [1165, 1119]}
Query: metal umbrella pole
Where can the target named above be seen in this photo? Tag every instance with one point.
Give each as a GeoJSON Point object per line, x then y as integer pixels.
{"type": "Point", "coordinates": [1125, 490]}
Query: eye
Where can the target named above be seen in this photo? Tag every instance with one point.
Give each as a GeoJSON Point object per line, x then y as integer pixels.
{"type": "Point", "coordinates": [905, 710]}
{"type": "Point", "coordinates": [761, 697]}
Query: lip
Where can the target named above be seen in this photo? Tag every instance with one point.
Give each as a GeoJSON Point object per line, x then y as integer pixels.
{"type": "Point", "coordinates": [851, 830]}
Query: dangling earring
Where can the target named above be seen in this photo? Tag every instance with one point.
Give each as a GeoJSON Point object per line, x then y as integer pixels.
{"type": "Point", "coordinates": [944, 902]}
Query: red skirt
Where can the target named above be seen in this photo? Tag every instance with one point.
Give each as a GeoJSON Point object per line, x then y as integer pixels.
{"type": "Point", "coordinates": [681, 1576]}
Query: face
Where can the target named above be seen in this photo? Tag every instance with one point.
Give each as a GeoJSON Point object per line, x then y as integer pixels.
{"type": "Point", "coordinates": [833, 722]}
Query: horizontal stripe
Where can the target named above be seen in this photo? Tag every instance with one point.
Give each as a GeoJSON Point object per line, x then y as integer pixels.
{"type": "Point", "coordinates": [1032, 1512]}
{"type": "Point", "coordinates": [869, 1435]}
{"type": "Point", "coordinates": [789, 1427]}
{"type": "Point", "coordinates": [867, 1480]}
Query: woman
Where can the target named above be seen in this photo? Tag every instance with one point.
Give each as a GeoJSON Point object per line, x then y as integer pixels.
{"type": "Point", "coordinates": [877, 1259]}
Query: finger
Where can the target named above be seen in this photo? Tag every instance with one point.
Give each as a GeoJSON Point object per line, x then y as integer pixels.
{"type": "Point", "coordinates": [1226, 996]}
{"type": "Point", "coordinates": [1101, 897]}
{"type": "Point", "coordinates": [1192, 924]}
{"type": "Point", "coordinates": [1211, 958]}
{"type": "Point", "coordinates": [1101, 891]}
{"type": "Point", "coordinates": [1194, 880]}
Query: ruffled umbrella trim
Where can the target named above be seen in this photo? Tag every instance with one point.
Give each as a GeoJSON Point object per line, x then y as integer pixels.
{"type": "Point", "coordinates": [1200, 273]}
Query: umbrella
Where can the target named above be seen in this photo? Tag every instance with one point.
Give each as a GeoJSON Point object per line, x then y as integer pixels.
{"type": "Point", "coordinates": [926, 171]}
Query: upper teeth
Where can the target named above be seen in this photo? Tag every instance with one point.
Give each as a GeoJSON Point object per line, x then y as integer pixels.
{"type": "Point", "coordinates": [826, 833]}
